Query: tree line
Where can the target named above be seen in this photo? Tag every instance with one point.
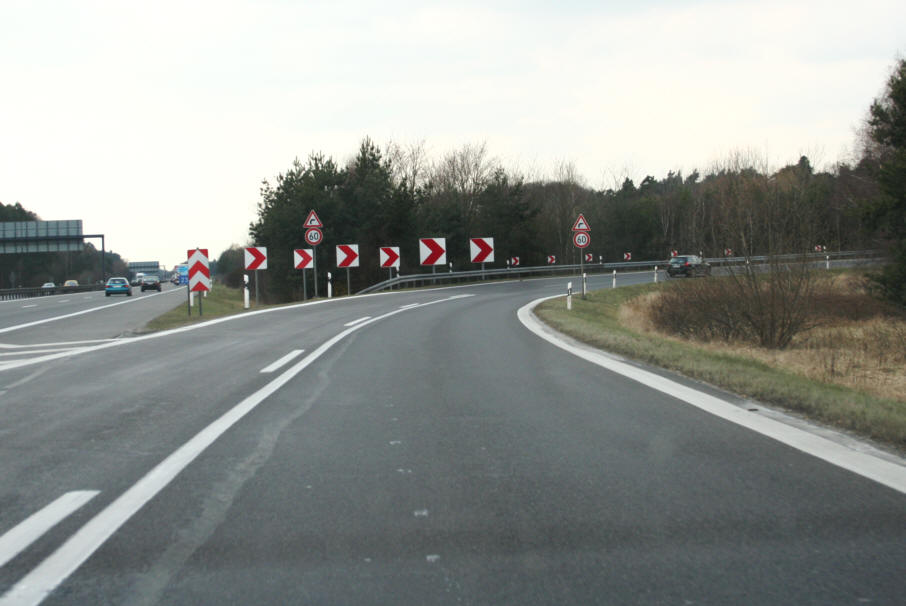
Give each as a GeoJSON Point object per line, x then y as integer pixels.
{"type": "Point", "coordinates": [393, 196]}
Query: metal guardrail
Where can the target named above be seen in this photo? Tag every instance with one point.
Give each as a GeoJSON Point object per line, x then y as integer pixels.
{"type": "Point", "coordinates": [9, 294]}
{"type": "Point", "coordinates": [418, 280]}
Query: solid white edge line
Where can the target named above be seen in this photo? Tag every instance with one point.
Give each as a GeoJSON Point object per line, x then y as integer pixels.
{"type": "Point", "coordinates": [17, 539]}
{"type": "Point", "coordinates": [354, 322]}
{"type": "Point", "coordinates": [281, 362]}
{"type": "Point", "coordinates": [43, 579]}
{"type": "Point", "coordinates": [879, 470]}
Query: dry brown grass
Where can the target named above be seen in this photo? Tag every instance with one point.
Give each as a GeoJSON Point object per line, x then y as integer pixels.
{"type": "Point", "coordinates": [858, 341]}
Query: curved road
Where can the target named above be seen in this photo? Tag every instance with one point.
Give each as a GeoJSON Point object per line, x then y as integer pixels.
{"type": "Point", "coordinates": [418, 447]}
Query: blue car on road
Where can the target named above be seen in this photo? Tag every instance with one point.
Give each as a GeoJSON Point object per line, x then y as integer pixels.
{"type": "Point", "coordinates": [118, 286]}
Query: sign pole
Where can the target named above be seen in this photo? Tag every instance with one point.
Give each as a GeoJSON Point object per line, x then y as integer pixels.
{"type": "Point", "coordinates": [257, 300]}
{"type": "Point", "coordinates": [314, 266]}
{"type": "Point", "coordinates": [200, 309]}
{"type": "Point", "coordinates": [304, 285]}
{"type": "Point", "coordinates": [348, 283]}
{"type": "Point", "coordinates": [189, 300]}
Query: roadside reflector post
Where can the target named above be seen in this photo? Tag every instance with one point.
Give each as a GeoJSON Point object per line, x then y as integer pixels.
{"type": "Point", "coordinates": [329, 286]}
{"type": "Point", "coordinates": [614, 283]}
{"type": "Point", "coordinates": [655, 274]}
{"type": "Point", "coordinates": [827, 261]}
{"type": "Point", "coordinates": [584, 286]}
{"type": "Point", "coordinates": [245, 290]}
{"type": "Point", "coordinates": [569, 295]}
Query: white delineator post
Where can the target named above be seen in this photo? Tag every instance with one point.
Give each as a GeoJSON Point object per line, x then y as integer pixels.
{"type": "Point", "coordinates": [827, 261]}
{"type": "Point", "coordinates": [584, 286]}
{"type": "Point", "coordinates": [329, 286]}
{"type": "Point", "coordinates": [245, 290]}
{"type": "Point", "coordinates": [614, 283]}
{"type": "Point", "coordinates": [569, 296]}
{"type": "Point", "coordinates": [655, 274]}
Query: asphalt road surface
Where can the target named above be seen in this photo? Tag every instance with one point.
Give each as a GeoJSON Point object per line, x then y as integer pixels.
{"type": "Point", "coordinates": [407, 448]}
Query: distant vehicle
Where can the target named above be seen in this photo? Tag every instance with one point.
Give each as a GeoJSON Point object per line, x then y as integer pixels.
{"type": "Point", "coordinates": [150, 282]}
{"type": "Point", "coordinates": [174, 279]}
{"type": "Point", "coordinates": [137, 280]}
{"type": "Point", "coordinates": [71, 283]}
{"type": "Point", "coordinates": [118, 286]}
{"type": "Point", "coordinates": [688, 266]}
{"type": "Point", "coordinates": [48, 285]}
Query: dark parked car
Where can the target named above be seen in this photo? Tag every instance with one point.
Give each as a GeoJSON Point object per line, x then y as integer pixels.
{"type": "Point", "coordinates": [688, 266]}
{"type": "Point", "coordinates": [150, 282]}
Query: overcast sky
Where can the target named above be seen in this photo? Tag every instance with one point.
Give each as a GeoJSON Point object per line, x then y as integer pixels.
{"type": "Point", "coordinates": [155, 122]}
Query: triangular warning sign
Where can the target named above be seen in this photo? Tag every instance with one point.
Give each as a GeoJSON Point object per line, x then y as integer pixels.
{"type": "Point", "coordinates": [580, 225]}
{"type": "Point", "coordinates": [313, 220]}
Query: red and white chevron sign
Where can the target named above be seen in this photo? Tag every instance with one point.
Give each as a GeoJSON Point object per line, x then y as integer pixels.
{"type": "Point", "coordinates": [589, 258]}
{"type": "Point", "coordinates": [551, 259]}
{"type": "Point", "coordinates": [348, 255]}
{"type": "Point", "coordinates": [728, 252]}
{"type": "Point", "coordinates": [432, 251]}
{"type": "Point", "coordinates": [302, 258]}
{"type": "Point", "coordinates": [481, 250]}
{"type": "Point", "coordinates": [673, 253]}
{"type": "Point", "coordinates": [199, 270]}
{"type": "Point", "coordinates": [627, 256]}
{"type": "Point", "coordinates": [514, 261]}
{"type": "Point", "coordinates": [390, 256]}
{"type": "Point", "coordinates": [255, 257]}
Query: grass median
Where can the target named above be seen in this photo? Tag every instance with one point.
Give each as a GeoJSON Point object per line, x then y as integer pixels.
{"type": "Point", "coordinates": [597, 321]}
{"type": "Point", "coordinates": [221, 301]}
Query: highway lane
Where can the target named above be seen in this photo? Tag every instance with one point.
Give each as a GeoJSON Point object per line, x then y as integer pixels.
{"type": "Point", "coordinates": [440, 455]}
{"type": "Point", "coordinates": [91, 315]}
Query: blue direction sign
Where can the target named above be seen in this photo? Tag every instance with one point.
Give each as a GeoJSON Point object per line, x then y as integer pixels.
{"type": "Point", "coordinates": [183, 271]}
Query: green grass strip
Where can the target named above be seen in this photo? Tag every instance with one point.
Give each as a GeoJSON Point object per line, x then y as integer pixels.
{"type": "Point", "coordinates": [596, 321]}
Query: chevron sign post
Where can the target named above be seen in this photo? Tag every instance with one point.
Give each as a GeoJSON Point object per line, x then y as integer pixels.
{"type": "Point", "coordinates": [199, 276]}
{"type": "Point", "coordinates": [348, 256]}
{"type": "Point", "coordinates": [432, 251]}
{"type": "Point", "coordinates": [199, 270]}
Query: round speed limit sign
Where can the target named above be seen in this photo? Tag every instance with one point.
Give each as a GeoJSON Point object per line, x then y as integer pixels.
{"type": "Point", "coordinates": [314, 236]}
{"type": "Point", "coordinates": [581, 239]}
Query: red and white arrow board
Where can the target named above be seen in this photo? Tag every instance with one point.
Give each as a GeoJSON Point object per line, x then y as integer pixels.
{"type": "Point", "coordinates": [481, 250]}
{"type": "Point", "coordinates": [302, 258]}
{"type": "Point", "coordinates": [432, 251]}
{"type": "Point", "coordinates": [199, 270]}
{"type": "Point", "coordinates": [514, 261]}
{"type": "Point", "coordinates": [627, 256]}
{"type": "Point", "coordinates": [551, 259]}
{"type": "Point", "coordinates": [589, 258]}
{"type": "Point", "coordinates": [390, 256]}
{"type": "Point", "coordinates": [255, 257]}
{"type": "Point", "coordinates": [348, 255]}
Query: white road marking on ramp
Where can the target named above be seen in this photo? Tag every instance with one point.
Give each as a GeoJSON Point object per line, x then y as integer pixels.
{"type": "Point", "coordinates": [34, 526]}
{"type": "Point", "coordinates": [282, 361]}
